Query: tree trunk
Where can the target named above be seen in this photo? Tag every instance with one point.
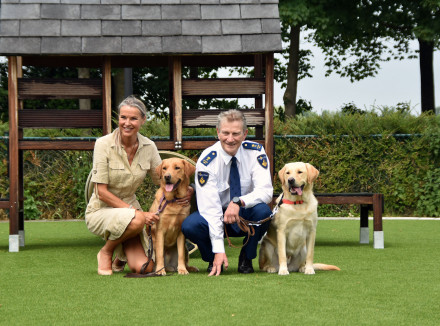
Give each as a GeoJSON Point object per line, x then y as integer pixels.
{"type": "Point", "coordinates": [427, 76]}
{"type": "Point", "coordinates": [289, 97]}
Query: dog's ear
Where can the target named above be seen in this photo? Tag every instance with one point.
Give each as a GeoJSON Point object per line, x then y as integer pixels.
{"type": "Point", "coordinates": [189, 168]}
{"type": "Point", "coordinates": [312, 173]}
{"type": "Point", "coordinates": [159, 170]}
{"type": "Point", "coordinates": [281, 174]}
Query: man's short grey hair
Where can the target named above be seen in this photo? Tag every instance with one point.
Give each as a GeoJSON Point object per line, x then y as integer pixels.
{"type": "Point", "coordinates": [132, 101]}
{"type": "Point", "coordinates": [230, 116]}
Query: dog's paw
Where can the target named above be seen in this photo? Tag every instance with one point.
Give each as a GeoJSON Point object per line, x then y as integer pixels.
{"type": "Point", "coordinates": [309, 270]}
{"type": "Point", "coordinates": [161, 272]}
{"type": "Point", "coordinates": [270, 269]}
{"type": "Point", "coordinates": [183, 271]}
{"type": "Point", "coordinates": [283, 271]}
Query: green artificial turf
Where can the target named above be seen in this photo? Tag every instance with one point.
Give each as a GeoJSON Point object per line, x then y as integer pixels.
{"type": "Point", "coordinates": [53, 281]}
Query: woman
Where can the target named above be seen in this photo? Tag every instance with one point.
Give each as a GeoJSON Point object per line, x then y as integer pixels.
{"type": "Point", "coordinates": [121, 161]}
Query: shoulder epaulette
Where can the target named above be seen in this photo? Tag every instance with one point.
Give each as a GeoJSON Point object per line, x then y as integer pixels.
{"type": "Point", "coordinates": [208, 158]}
{"type": "Point", "coordinates": [252, 145]}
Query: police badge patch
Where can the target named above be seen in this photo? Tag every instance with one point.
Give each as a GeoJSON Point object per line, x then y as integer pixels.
{"type": "Point", "coordinates": [202, 177]}
{"type": "Point", "coordinates": [208, 158]}
{"type": "Point", "coordinates": [262, 159]}
{"type": "Point", "coordinates": [252, 145]}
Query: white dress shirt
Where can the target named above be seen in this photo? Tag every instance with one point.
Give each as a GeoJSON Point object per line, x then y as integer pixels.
{"type": "Point", "coordinates": [212, 184]}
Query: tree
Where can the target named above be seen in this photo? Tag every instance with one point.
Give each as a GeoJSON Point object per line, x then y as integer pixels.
{"type": "Point", "coordinates": [353, 35]}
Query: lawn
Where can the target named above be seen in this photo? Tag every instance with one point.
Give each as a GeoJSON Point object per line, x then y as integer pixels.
{"type": "Point", "coordinates": [53, 281]}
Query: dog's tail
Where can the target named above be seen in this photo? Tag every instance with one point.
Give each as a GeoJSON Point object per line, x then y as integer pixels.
{"type": "Point", "coordinates": [325, 267]}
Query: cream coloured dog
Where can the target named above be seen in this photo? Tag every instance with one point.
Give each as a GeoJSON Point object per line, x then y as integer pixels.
{"type": "Point", "coordinates": [290, 240]}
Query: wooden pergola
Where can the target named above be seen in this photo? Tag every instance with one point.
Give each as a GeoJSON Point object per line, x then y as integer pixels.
{"type": "Point", "coordinates": [123, 35]}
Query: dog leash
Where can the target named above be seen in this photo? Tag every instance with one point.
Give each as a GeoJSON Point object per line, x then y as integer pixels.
{"type": "Point", "coordinates": [162, 204]}
{"type": "Point", "coordinates": [248, 226]}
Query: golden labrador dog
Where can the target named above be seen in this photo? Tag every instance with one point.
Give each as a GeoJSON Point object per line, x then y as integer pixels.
{"type": "Point", "coordinates": [168, 239]}
{"type": "Point", "coordinates": [290, 240]}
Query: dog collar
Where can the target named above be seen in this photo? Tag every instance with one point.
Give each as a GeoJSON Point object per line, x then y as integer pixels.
{"type": "Point", "coordinates": [298, 202]}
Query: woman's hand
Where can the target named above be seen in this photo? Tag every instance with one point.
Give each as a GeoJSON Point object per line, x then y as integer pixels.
{"type": "Point", "coordinates": [150, 218]}
{"type": "Point", "coordinates": [185, 201]}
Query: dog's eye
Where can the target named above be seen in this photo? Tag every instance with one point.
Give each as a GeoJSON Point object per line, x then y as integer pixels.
{"type": "Point", "coordinates": [177, 168]}
{"type": "Point", "coordinates": [288, 172]}
{"type": "Point", "coordinates": [299, 172]}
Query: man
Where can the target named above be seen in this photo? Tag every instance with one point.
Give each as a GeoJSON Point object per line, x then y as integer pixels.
{"type": "Point", "coordinates": [232, 179]}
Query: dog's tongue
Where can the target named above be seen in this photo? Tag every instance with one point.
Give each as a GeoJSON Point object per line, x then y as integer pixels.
{"type": "Point", "coordinates": [298, 191]}
{"type": "Point", "coordinates": [169, 187]}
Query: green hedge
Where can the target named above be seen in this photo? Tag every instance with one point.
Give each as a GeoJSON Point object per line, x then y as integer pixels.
{"type": "Point", "coordinates": [405, 168]}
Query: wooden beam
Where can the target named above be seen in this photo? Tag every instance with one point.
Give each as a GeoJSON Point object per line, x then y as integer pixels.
{"type": "Point", "coordinates": [223, 87]}
{"type": "Point", "coordinates": [208, 118]}
{"type": "Point", "coordinates": [258, 73]}
{"type": "Point", "coordinates": [268, 105]}
{"type": "Point", "coordinates": [177, 100]}
{"type": "Point", "coordinates": [47, 88]}
{"type": "Point", "coordinates": [14, 185]}
{"type": "Point", "coordinates": [74, 145]}
{"type": "Point", "coordinates": [60, 118]}
{"type": "Point", "coordinates": [106, 96]}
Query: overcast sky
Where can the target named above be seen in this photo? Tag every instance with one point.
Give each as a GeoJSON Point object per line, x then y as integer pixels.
{"type": "Point", "coordinates": [397, 81]}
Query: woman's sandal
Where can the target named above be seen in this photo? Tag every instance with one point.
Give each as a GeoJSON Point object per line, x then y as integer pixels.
{"type": "Point", "coordinates": [118, 265]}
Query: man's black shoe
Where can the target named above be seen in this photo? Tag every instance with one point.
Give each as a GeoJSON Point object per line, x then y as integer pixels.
{"type": "Point", "coordinates": [209, 269]}
{"type": "Point", "coordinates": [244, 264]}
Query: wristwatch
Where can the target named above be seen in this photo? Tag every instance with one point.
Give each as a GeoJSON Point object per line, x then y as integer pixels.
{"type": "Point", "coordinates": [236, 200]}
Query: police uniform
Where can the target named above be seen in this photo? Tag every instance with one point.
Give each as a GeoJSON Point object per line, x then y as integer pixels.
{"type": "Point", "coordinates": [205, 227]}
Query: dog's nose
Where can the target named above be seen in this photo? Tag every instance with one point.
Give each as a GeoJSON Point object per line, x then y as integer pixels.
{"type": "Point", "coordinates": [291, 180]}
{"type": "Point", "coordinates": [167, 177]}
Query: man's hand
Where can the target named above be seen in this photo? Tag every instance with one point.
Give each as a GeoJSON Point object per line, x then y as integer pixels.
{"type": "Point", "coordinates": [231, 214]}
{"type": "Point", "coordinates": [219, 260]}
{"type": "Point", "coordinates": [185, 201]}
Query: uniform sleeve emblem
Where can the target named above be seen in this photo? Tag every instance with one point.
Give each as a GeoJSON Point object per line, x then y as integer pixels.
{"type": "Point", "coordinates": [202, 177]}
{"type": "Point", "coordinates": [251, 145]}
{"type": "Point", "coordinates": [208, 158]}
{"type": "Point", "coordinates": [262, 159]}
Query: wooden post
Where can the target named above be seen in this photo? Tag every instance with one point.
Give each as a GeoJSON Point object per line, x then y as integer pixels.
{"type": "Point", "coordinates": [14, 185]}
{"type": "Point", "coordinates": [177, 101]}
{"type": "Point", "coordinates": [107, 96]}
{"type": "Point", "coordinates": [269, 109]}
{"type": "Point", "coordinates": [258, 69]}
{"type": "Point", "coordinates": [20, 166]}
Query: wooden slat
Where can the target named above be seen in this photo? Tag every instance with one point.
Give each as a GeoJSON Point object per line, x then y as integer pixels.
{"type": "Point", "coordinates": [338, 199]}
{"type": "Point", "coordinates": [269, 110]}
{"type": "Point", "coordinates": [223, 87]}
{"type": "Point", "coordinates": [208, 118]}
{"type": "Point", "coordinates": [36, 88]}
{"type": "Point", "coordinates": [75, 145]}
{"type": "Point", "coordinates": [60, 118]}
{"type": "Point", "coordinates": [177, 100]}
{"type": "Point", "coordinates": [4, 203]}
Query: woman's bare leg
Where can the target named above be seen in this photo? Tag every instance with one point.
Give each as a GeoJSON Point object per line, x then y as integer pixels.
{"type": "Point", "coordinates": [135, 253]}
{"type": "Point", "coordinates": [105, 255]}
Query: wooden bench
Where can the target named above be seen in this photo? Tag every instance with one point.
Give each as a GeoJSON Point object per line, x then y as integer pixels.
{"type": "Point", "coordinates": [367, 201]}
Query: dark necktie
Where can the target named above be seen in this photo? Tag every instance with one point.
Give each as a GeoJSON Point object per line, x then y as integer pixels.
{"type": "Point", "coordinates": [234, 179]}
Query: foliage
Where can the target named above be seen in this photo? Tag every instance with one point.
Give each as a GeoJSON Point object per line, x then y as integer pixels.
{"type": "Point", "coordinates": [386, 150]}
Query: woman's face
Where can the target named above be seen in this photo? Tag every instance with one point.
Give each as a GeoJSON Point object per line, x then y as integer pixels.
{"type": "Point", "coordinates": [130, 121]}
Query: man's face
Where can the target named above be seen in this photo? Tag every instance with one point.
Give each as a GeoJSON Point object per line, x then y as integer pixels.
{"type": "Point", "coordinates": [231, 135]}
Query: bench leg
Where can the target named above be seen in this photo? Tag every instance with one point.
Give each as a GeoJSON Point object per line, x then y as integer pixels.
{"type": "Point", "coordinates": [377, 216]}
{"type": "Point", "coordinates": [21, 237]}
{"type": "Point", "coordinates": [364, 234]}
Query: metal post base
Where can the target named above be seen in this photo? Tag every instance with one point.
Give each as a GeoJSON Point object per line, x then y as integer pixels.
{"type": "Point", "coordinates": [14, 242]}
{"type": "Point", "coordinates": [21, 238]}
{"type": "Point", "coordinates": [364, 235]}
{"type": "Point", "coordinates": [378, 240]}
